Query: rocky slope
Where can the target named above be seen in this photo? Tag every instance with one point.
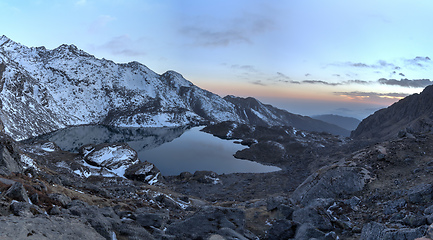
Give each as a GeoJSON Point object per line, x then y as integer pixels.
{"type": "Point", "coordinates": [409, 115]}
{"type": "Point", "coordinates": [254, 112]}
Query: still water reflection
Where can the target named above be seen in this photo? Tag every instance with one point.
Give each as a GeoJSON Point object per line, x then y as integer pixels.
{"type": "Point", "coordinates": [172, 150]}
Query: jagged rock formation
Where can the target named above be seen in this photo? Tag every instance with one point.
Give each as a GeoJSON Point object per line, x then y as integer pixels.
{"type": "Point", "coordinates": [409, 115]}
{"type": "Point", "coordinates": [252, 111]}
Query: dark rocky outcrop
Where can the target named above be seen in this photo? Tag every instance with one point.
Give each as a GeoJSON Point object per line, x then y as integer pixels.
{"type": "Point", "coordinates": [145, 172]}
{"type": "Point", "coordinates": [331, 182]}
{"type": "Point", "coordinates": [413, 114]}
{"type": "Point", "coordinates": [207, 221]}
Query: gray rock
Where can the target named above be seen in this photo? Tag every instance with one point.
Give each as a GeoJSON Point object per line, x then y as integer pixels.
{"type": "Point", "coordinates": [428, 210]}
{"type": "Point", "coordinates": [230, 234]}
{"type": "Point", "coordinates": [9, 162]}
{"type": "Point", "coordinates": [317, 217]}
{"type": "Point", "coordinates": [207, 221]}
{"type": "Point", "coordinates": [120, 155]}
{"type": "Point", "coordinates": [144, 172]}
{"type": "Point", "coordinates": [372, 231]}
{"type": "Point", "coordinates": [55, 210]}
{"type": "Point", "coordinates": [34, 198]}
{"type": "Point", "coordinates": [168, 202]}
{"type": "Point", "coordinates": [132, 232]}
{"type": "Point", "coordinates": [21, 209]}
{"type": "Point", "coordinates": [273, 203]}
{"type": "Point", "coordinates": [103, 220]}
{"type": "Point", "coordinates": [281, 229]}
{"type": "Point", "coordinates": [17, 192]}
{"type": "Point", "coordinates": [307, 231]}
{"type": "Point", "coordinates": [331, 182]}
{"type": "Point", "coordinates": [149, 220]}
{"type": "Point", "coordinates": [321, 203]}
{"type": "Point", "coordinates": [206, 177]}
{"type": "Point", "coordinates": [44, 227]}
{"type": "Point", "coordinates": [62, 199]}
{"type": "Point", "coordinates": [414, 220]}
{"type": "Point", "coordinates": [404, 233]}
{"type": "Point", "coordinates": [394, 206]}
{"type": "Point", "coordinates": [420, 194]}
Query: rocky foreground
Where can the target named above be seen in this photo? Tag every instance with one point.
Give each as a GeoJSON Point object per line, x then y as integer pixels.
{"type": "Point", "coordinates": [328, 188]}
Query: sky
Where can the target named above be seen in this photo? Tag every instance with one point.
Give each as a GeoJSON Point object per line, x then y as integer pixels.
{"type": "Point", "coordinates": [306, 56]}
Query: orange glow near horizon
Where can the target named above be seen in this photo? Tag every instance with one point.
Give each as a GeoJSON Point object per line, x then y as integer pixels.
{"type": "Point", "coordinates": [294, 92]}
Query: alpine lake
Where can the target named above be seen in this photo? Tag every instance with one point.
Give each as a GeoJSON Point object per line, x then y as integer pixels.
{"type": "Point", "coordinates": [171, 150]}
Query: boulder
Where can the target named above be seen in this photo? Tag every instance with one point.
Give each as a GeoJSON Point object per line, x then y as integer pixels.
{"type": "Point", "coordinates": [132, 231]}
{"type": "Point", "coordinates": [317, 217]}
{"type": "Point", "coordinates": [103, 220]}
{"type": "Point", "coordinates": [17, 192]}
{"type": "Point", "coordinates": [116, 157]}
{"type": "Point", "coordinates": [422, 193]}
{"type": "Point", "coordinates": [208, 221]}
{"type": "Point", "coordinates": [206, 177]}
{"type": "Point", "coordinates": [307, 231]}
{"type": "Point", "coordinates": [9, 161]}
{"type": "Point", "coordinates": [144, 172]}
{"type": "Point", "coordinates": [374, 230]}
{"type": "Point", "coordinates": [150, 220]}
{"type": "Point", "coordinates": [45, 227]}
{"type": "Point", "coordinates": [62, 199]}
{"type": "Point", "coordinates": [281, 229]}
{"type": "Point", "coordinates": [331, 182]}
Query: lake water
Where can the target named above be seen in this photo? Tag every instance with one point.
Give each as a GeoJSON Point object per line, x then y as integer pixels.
{"type": "Point", "coordinates": [172, 150]}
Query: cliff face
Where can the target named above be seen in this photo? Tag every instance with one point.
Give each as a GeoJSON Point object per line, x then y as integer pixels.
{"type": "Point", "coordinates": [411, 114]}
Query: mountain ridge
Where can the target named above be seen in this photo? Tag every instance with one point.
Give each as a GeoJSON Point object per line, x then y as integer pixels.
{"type": "Point", "coordinates": [412, 114]}
{"type": "Point", "coordinates": [44, 90]}
{"type": "Point", "coordinates": [348, 123]}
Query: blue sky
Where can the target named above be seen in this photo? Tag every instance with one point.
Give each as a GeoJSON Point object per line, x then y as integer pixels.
{"type": "Point", "coordinates": [307, 56]}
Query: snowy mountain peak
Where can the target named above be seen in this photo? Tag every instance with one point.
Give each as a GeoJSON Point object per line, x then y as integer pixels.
{"type": "Point", "coordinates": [44, 90]}
{"type": "Point", "coordinates": [3, 39]}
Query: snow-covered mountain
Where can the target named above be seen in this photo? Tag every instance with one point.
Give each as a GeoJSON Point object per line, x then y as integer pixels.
{"type": "Point", "coordinates": [44, 90]}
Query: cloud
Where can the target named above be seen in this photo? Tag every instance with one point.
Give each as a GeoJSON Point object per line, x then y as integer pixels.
{"type": "Point", "coordinates": [248, 68]}
{"type": "Point", "coordinates": [381, 64]}
{"type": "Point", "coordinates": [370, 95]}
{"type": "Point", "coordinates": [321, 82]}
{"type": "Point", "coordinates": [258, 82]}
{"type": "Point", "coordinates": [222, 33]}
{"type": "Point", "coordinates": [357, 82]}
{"type": "Point", "coordinates": [418, 62]}
{"type": "Point", "coordinates": [123, 45]}
{"type": "Point", "coordinates": [416, 83]}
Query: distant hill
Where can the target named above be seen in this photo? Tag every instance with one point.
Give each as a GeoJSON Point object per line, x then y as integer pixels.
{"type": "Point", "coordinates": [256, 113]}
{"type": "Point", "coordinates": [348, 123]}
{"type": "Point", "coordinates": [411, 114]}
